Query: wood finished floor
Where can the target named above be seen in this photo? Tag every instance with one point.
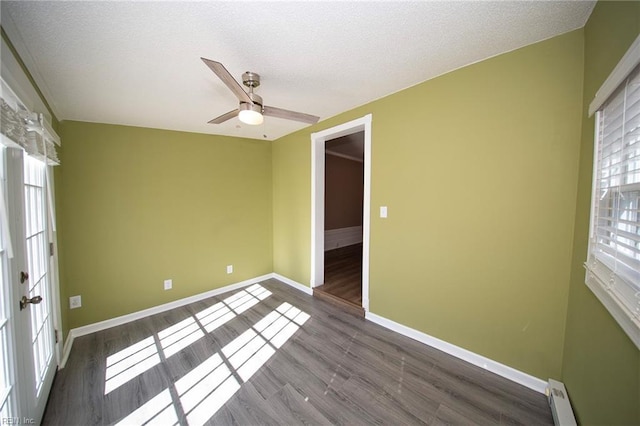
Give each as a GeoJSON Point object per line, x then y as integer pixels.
{"type": "Point", "coordinates": [343, 277]}
{"type": "Point", "coordinates": [322, 367]}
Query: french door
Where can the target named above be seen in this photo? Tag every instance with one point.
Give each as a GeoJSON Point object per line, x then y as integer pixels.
{"type": "Point", "coordinates": [26, 320]}
{"type": "Point", "coordinates": [8, 390]}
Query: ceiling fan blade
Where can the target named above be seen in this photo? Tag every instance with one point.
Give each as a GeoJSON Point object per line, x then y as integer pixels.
{"type": "Point", "coordinates": [228, 79]}
{"type": "Point", "coordinates": [290, 115]}
{"type": "Point", "coordinates": [224, 117]}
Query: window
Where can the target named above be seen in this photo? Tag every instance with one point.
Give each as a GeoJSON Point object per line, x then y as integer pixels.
{"type": "Point", "coordinates": [613, 265]}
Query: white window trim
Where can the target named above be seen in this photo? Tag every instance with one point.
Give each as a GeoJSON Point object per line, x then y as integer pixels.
{"type": "Point", "coordinates": [607, 293]}
{"type": "Point", "coordinates": [617, 309]}
{"type": "Point", "coordinates": [628, 62]}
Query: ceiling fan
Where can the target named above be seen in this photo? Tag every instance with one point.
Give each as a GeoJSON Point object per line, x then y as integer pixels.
{"type": "Point", "coordinates": [251, 109]}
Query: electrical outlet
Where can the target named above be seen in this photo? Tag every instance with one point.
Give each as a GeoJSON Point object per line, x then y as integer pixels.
{"type": "Point", "coordinates": [229, 269]}
{"type": "Point", "coordinates": [383, 211]}
{"type": "Point", "coordinates": [75, 302]}
{"type": "Point", "coordinates": [168, 284]}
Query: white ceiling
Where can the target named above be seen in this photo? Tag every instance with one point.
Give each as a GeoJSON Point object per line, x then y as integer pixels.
{"type": "Point", "coordinates": [138, 63]}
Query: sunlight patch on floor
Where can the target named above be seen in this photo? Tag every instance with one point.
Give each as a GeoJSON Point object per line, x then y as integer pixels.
{"type": "Point", "coordinates": [206, 388]}
{"type": "Point", "coordinates": [157, 411]}
{"type": "Point", "coordinates": [129, 363]}
{"type": "Point", "coordinates": [179, 336]}
{"type": "Point", "coordinates": [134, 360]}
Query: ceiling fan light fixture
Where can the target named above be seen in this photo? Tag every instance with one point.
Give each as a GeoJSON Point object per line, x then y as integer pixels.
{"type": "Point", "coordinates": [250, 114]}
{"type": "Point", "coordinates": [252, 109]}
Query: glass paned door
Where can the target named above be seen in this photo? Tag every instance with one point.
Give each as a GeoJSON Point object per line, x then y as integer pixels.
{"type": "Point", "coordinates": [29, 283]}
{"type": "Point", "coordinates": [37, 248]}
{"type": "Point", "coordinates": [8, 393]}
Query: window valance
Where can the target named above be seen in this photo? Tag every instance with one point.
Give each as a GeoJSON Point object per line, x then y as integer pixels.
{"type": "Point", "coordinates": [29, 130]}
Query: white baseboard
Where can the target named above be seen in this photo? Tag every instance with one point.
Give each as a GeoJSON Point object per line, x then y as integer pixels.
{"type": "Point", "coordinates": [303, 288]}
{"type": "Point", "coordinates": [507, 372]}
{"type": "Point", "coordinates": [113, 322]}
{"type": "Point", "coordinates": [342, 237]}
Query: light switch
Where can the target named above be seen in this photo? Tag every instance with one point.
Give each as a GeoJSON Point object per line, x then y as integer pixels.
{"type": "Point", "coordinates": [383, 211]}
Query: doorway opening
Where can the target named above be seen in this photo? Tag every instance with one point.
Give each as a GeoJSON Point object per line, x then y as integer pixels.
{"type": "Point", "coordinates": [341, 179]}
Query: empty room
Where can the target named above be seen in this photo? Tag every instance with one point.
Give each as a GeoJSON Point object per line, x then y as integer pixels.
{"type": "Point", "coordinates": [315, 212]}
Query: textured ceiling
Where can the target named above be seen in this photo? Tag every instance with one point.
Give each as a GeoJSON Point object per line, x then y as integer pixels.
{"type": "Point", "coordinates": [138, 63]}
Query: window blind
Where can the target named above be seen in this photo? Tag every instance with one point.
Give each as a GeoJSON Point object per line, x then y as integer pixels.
{"type": "Point", "coordinates": [614, 249]}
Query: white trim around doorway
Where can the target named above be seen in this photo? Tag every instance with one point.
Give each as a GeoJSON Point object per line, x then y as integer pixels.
{"type": "Point", "coordinates": [318, 141]}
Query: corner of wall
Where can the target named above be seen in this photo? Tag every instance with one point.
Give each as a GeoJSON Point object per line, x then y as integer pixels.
{"type": "Point", "coordinates": [600, 364]}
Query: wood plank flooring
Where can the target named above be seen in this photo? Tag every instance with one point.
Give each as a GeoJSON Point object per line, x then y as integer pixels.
{"type": "Point", "coordinates": [269, 354]}
{"type": "Point", "coordinates": [343, 278]}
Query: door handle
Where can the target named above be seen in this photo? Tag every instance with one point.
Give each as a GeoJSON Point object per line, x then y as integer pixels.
{"type": "Point", "coordinates": [34, 300]}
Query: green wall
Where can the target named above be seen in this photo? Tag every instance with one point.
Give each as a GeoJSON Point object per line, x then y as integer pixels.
{"type": "Point", "coordinates": [601, 366]}
{"type": "Point", "coordinates": [140, 206]}
{"type": "Point", "coordinates": [479, 171]}
{"type": "Point", "coordinates": [291, 207]}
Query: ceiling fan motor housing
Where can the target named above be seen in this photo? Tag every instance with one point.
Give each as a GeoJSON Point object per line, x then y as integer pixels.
{"type": "Point", "coordinates": [255, 106]}
{"type": "Point", "coordinates": [244, 106]}
{"type": "Point", "coordinates": [251, 79]}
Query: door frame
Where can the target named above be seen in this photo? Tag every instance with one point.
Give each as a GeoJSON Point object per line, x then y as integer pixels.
{"type": "Point", "coordinates": [54, 268]}
{"type": "Point", "coordinates": [318, 143]}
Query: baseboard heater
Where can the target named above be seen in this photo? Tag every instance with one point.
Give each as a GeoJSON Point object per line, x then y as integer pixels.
{"type": "Point", "coordinates": [560, 405]}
